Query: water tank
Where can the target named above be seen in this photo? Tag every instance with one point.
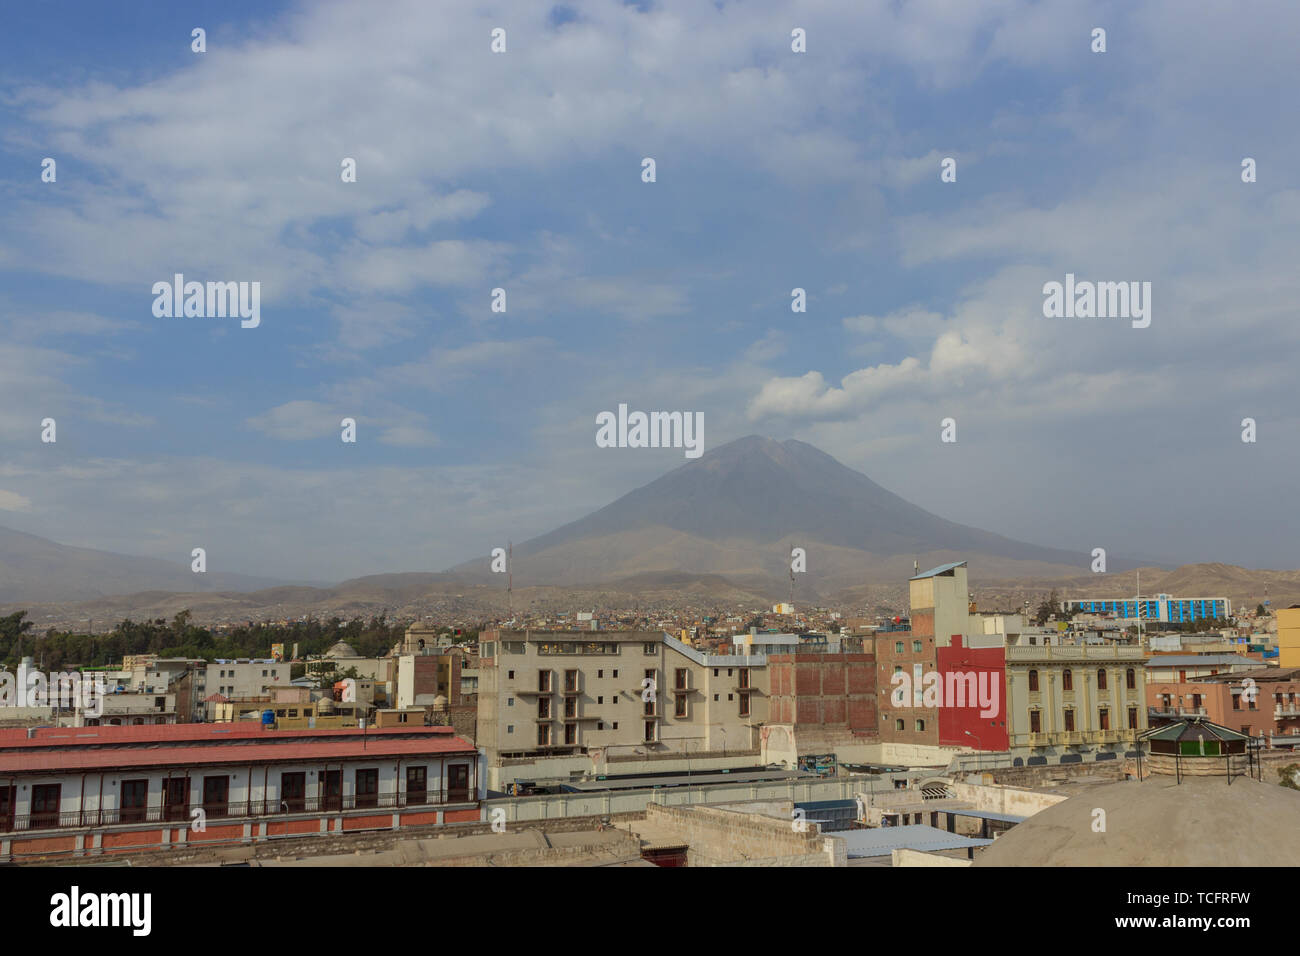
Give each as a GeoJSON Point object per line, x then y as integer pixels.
{"type": "Point", "coordinates": [268, 718]}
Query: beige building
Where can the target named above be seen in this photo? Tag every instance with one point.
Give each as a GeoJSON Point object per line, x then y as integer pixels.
{"type": "Point", "coordinates": [1061, 696]}
{"type": "Point", "coordinates": [550, 693]}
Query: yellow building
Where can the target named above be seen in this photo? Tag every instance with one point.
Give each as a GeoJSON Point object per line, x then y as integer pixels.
{"type": "Point", "coordinates": [1288, 637]}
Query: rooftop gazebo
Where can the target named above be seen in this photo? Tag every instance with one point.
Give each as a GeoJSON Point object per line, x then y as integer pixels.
{"type": "Point", "coordinates": [1199, 747]}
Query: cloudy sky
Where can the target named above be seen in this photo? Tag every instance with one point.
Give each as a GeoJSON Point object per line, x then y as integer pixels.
{"type": "Point", "coordinates": [522, 170]}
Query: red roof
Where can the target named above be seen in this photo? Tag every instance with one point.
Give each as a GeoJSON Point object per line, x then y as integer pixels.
{"type": "Point", "coordinates": [45, 737]}
{"type": "Point", "coordinates": [115, 758]}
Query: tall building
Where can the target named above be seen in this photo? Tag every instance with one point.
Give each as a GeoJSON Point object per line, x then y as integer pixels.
{"type": "Point", "coordinates": [611, 694]}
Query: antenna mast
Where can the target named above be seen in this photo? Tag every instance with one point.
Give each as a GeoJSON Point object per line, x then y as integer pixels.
{"type": "Point", "coordinates": [510, 579]}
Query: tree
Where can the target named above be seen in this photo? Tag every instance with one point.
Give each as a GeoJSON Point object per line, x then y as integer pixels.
{"type": "Point", "coordinates": [1048, 608]}
{"type": "Point", "coordinates": [1259, 610]}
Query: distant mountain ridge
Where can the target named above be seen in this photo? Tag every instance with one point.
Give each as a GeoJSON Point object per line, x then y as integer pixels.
{"type": "Point", "coordinates": [37, 569]}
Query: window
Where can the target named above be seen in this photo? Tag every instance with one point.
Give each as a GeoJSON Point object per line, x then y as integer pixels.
{"type": "Point", "coordinates": [1033, 681]}
{"type": "Point", "coordinates": [728, 671]}
{"type": "Point", "coordinates": [600, 673]}
{"type": "Point", "coordinates": [1067, 679]}
{"type": "Point", "coordinates": [1103, 719]}
{"type": "Point", "coordinates": [510, 728]}
{"type": "Point", "coordinates": [510, 702]}
{"type": "Point", "coordinates": [715, 672]}
{"type": "Point", "coordinates": [543, 682]}
{"type": "Point", "coordinates": [570, 682]}
{"type": "Point", "coordinates": [615, 725]}
{"type": "Point", "coordinates": [264, 674]}
{"type": "Point", "coordinates": [544, 708]}
{"type": "Point", "coordinates": [898, 668]}
{"type": "Point", "coordinates": [1236, 700]}
{"type": "Point", "coordinates": [679, 709]}
{"type": "Point", "coordinates": [510, 675]}
{"type": "Point", "coordinates": [600, 725]}
{"type": "Point", "coordinates": [679, 678]}
{"type": "Point", "coordinates": [731, 697]}
{"type": "Point", "coordinates": [920, 726]}
{"type": "Point", "coordinates": [898, 647]}
{"type": "Point", "coordinates": [1130, 679]}
{"type": "Point", "coordinates": [1069, 720]}
{"type": "Point", "coordinates": [135, 798]}
{"type": "Point", "coordinates": [715, 697]}
{"type": "Point", "coordinates": [544, 735]}
{"type": "Point", "coordinates": [1101, 678]}
{"type": "Point", "coordinates": [616, 675]}
{"type": "Point", "coordinates": [744, 705]}
{"type": "Point", "coordinates": [570, 734]}
{"type": "Point", "coordinates": [744, 677]}
{"type": "Point", "coordinates": [1035, 722]}
{"type": "Point", "coordinates": [898, 724]}
{"type": "Point", "coordinates": [916, 647]}
{"type": "Point", "coordinates": [649, 730]}
{"type": "Point", "coordinates": [648, 647]}
{"type": "Point", "coordinates": [600, 700]}
{"type": "Point", "coordinates": [570, 710]}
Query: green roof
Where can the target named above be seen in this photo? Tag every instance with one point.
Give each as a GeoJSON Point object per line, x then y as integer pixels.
{"type": "Point", "coordinates": [1193, 728]}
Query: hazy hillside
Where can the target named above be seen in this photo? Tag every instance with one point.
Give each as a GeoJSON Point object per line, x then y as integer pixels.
{"type": "Point", "coordinates": [36, 569]}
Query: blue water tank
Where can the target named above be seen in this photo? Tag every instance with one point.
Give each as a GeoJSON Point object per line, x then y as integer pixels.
{"type": "Point", "coordinates": [268, 717]}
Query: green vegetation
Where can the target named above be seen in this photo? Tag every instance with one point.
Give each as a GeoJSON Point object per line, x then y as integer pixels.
{"type": "Point", "coordinates": [61, 650]}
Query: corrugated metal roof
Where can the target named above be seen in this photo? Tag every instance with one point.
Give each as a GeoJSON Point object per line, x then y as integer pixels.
{"type": "Point", "coordinates": [941, 569]}
{"type": "Point", "coordinates": [989, 815]}
{"type": "Point", "coordinates": [45, 737]}
{"type": "Point", "coordinates": [916, 836]}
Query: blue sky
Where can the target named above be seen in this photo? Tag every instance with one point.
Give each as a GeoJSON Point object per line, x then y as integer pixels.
{"type": "Point", "coordinates": [522, 171]}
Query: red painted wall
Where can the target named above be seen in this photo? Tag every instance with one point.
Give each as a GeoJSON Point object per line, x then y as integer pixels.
{"type": "Point", "coordinates": [990, 732]}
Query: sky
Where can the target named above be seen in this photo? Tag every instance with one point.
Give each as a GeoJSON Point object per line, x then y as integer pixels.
{"type": "Point", "coordinates": [523, 170]}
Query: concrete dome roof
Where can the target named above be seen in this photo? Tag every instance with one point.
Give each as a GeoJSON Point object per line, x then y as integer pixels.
{"type": "Point", "coordinates": [1201, 822]}
{"type": "Point", "coordinates": [342, 649]}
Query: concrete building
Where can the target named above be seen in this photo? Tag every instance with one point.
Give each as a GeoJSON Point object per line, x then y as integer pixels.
{"type": "Point", "coordinates": [607, 693]}
{"type": "Point", "coordinates": [239, 679]}
{"type": "Point", "coordinates": [1256, 702]}
{"type": "Point", "coordinates": [1288, 636]}
{"type": "Point", "coordinates": [1166, 668]}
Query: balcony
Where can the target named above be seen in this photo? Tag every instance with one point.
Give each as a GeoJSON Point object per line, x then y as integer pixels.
{"type": "Point", "coordinates": [181, 814]}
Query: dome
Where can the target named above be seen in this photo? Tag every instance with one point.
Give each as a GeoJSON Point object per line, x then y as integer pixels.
{"type": "Point", "coordinates": [1202, 821]}
{"type": "Point", "coordinates": [342, 649]}
{"type": "Point", "coordinates": [440, 702]}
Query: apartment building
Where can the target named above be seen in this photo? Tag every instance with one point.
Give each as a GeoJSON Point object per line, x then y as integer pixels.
{"type": "Point", "coordinates": [549, 693]}
{"type": "Point", "coordinates": [1260, 701]}
{"type": "Point", "coordinates": [238, 680]}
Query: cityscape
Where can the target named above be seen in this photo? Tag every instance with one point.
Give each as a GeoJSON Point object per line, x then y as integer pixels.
{"type": "Point", "coordinates": [647, 435]}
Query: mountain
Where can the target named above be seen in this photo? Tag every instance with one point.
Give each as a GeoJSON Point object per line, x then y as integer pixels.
{"type": "Point", "coordinates": [739, 509]}
{"type": "Point", "coordinates": [37, 569]}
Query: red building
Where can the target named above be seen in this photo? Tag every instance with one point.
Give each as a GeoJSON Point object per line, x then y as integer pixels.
{"type": "Point", "coordinates": [973, 683]}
